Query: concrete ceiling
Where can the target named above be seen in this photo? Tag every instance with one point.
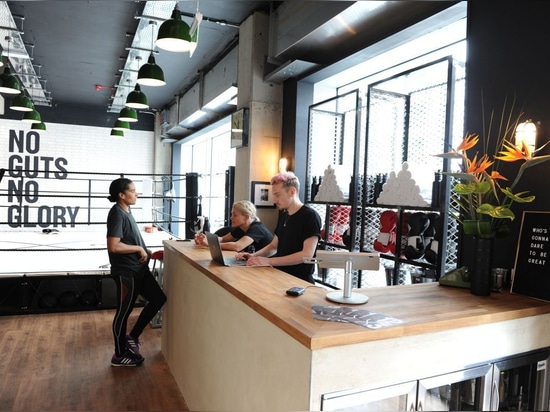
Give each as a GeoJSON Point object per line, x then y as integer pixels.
{"type": "Point", "coordinates": [79, 47]}
{"type": "Point", "coordinates": [82, 44]}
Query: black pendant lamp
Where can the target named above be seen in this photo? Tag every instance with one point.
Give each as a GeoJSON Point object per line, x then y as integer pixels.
{"type": "Point", "coordinates": [9, 83]}
{"type": "Point", "coordinates": [32, 117]}
{"type": "Point", "coordinates": [137, 99]}
{"type": "Point", "coordinates": [120, 125]}
{"type": "Point", "coordinates": [128, 114]}
{"type": "Point", "coordinates": [38, 126]}
{"type": "Point", "coordinates": [150, 74]}
{"type": "Point", "coordinates": [22, 103]}
{"type": "Point", "coordinates": [117, 133]}
{"type": "Point", "coordinates": [174, 34]}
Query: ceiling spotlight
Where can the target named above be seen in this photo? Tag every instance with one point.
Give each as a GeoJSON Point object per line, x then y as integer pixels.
{"type": "Point", "coordinates": [174, 34]}
{"type": "Point", "coordinates": [128, 114]}
{"type": "Point", "coordinates": [120, 125]}
{"type": "Point", "coordinates": [137, 99]}
{"type": "Point", "coordinates": [22, 103]}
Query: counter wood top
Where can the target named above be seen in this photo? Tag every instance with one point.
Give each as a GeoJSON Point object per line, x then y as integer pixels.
{"type": "Point", "coordinates": [424, 308]}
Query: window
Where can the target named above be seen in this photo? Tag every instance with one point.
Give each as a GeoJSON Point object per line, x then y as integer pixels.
{"type": "Point", "coordinates": [209, 154]}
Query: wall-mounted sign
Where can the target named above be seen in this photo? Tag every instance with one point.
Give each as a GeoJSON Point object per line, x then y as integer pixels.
{"type": "Point", "coordinates": [532, 266]}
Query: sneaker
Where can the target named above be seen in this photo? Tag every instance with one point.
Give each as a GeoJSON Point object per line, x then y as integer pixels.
{"type": "Point", "coordinates": [133, 347]}
{"type": "Point", "coordinates": [127, 359]}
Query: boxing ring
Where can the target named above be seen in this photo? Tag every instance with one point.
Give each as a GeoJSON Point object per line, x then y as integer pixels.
{"type": "Point", "coordinates": [53, 244]}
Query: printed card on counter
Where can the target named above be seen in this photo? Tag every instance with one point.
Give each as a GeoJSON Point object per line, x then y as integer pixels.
{"type": "Point", "coordinates": [361, 317]}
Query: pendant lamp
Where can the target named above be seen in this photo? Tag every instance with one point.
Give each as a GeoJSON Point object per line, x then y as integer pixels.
{"type": "Point", "coordinates": [128, 114]}
{"type": "Point", "coordinates": [32, 117]}
{"type": "Point", "coordinates": [150, 74]}
{"type": "Point", "coordinates": [174, 34]}
{"type": "Point", "coordinates": [137, 99]}
{"type": "Point", "coordinates": [117, 133]}
{"type": "Point", "coordinates": [9, 84]}
{"type": "Point", "coordinates": [120, 125]}
{"type": "Point", "coordinates": [38, 126]}
{"type": "Point", "coordinates": [22, 103]}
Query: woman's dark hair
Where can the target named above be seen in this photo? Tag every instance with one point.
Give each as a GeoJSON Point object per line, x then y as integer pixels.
{"type": "Point", "coordinates": [119, 185]}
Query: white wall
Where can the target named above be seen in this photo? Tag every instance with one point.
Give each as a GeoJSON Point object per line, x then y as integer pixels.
{"type": "Point", "coordinates": [57, 168]}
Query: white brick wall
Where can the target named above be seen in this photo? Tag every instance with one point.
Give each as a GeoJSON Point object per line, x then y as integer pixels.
{"type": "Point", "coordinates": [91, 151]}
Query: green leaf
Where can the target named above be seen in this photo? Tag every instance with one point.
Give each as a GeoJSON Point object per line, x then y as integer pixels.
{"type": "Point", "coordinates": [536, 160]}
{"type": "Point", "coordinates": [518, 197]}
{"type": "Point", "coordinates": [497, 212]}
{"type": "Point", "coordinates": [472, 188]}
{"type": "Point", "coordinates": [450, 155]}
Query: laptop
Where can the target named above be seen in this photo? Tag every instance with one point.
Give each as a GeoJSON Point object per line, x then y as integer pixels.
{"type": "Point", "coordinates": [216, 252]}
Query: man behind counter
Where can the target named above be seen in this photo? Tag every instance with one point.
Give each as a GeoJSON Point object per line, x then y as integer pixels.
{"type": "Point", "coordinates": [297, 233]}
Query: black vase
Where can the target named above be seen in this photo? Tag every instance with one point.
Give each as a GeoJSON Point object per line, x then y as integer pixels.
{"type": "Point", "coordinates": [482, 263]}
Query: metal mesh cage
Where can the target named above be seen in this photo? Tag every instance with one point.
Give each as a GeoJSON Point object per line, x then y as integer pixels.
{"type": "Point", "coordinates": [404, 119]}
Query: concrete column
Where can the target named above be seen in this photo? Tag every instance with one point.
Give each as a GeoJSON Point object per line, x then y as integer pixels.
{"type": "Point", "coordinates": [259, 161]}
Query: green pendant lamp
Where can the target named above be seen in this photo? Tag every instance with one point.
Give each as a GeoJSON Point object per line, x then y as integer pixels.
{"type": "Point", "coordinates": [38, 126]}
{"type": "Point", "coordinates": [117, 133]}
{"type": "Point", "coordinates": [174, 34]}
{"type": "Point", "coordinates": [120, 125]}
{"type": "Point", "coordinates": [22, 103]}
{"type": "Point", "coordinates": [32, 117]}
{"type": "Point", "coordinates": [137, 99]}
{"type": "Point", "coordinates": [9, 84]}
{"type": "Point", "coordinates": [128, 114]}
{"type": "Point", "coordinates": [150, 74]}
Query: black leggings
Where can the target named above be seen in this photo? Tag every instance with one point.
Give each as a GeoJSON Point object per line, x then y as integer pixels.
{"type": "Point", "coordinates": [128, 288]}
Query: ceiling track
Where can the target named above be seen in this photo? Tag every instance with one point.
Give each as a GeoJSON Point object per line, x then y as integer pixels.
{"type": "Point", "coordinates": [21, 62]}
{"type": "Point", "coordinates": [139, 51]}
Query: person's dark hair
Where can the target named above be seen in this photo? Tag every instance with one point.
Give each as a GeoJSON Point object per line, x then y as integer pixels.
{"type": "Point", "coordinates": [117, 186]}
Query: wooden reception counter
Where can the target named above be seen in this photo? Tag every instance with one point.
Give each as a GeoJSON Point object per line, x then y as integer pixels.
{"type": "Point", "coordinates": [235, 341]}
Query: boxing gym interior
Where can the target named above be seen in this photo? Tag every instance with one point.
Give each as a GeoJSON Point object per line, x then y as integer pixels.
{"type": "Point", "coordinates": [375, 106]}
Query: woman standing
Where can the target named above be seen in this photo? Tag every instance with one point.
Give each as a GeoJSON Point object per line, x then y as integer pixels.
{"type": "Point", "coordinates": [247, 232]}
{"type": "Point", "coordinates": [129, 258]}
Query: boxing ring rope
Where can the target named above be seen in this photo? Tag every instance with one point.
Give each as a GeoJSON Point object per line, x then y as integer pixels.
{"type": "Point", "coordinates": [46, 212]}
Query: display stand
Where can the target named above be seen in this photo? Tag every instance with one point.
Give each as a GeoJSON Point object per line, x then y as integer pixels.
{"type": "Point", "coordinates": [347, 261]}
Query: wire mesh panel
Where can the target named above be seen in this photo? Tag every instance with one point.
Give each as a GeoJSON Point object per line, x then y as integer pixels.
{"type": "Point", "coordinates": [410, 119]}
{"type": "Point", "coordinates": [332, 140]}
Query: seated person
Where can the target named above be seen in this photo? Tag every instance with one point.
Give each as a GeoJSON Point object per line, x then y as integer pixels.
{"type": "Point", "coordinates": [247, 233]}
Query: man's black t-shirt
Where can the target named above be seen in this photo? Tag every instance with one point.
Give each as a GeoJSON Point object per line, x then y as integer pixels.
{"type": "Point", "coordinates": [291, 232]}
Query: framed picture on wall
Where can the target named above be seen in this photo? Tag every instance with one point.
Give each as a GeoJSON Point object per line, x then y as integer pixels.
{"type": "Point", "coordinates": [262, 194]}
{"type": "Point", "coordinates": [239, 128]}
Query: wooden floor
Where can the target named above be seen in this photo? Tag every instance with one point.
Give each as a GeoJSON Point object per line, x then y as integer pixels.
{"type": "Point", "coordinates": [61, 362]}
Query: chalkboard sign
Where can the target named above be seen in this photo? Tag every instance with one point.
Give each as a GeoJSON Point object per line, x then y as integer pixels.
{"type": "Point", "coordinates": [532, 267]}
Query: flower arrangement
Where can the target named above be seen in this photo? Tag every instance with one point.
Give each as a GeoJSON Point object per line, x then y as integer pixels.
{"type": "Point", "coordinates": [483, 203]}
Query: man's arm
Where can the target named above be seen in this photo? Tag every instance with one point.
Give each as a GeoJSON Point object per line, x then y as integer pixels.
{"type": "Point", "coordinates": [308, 250]}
